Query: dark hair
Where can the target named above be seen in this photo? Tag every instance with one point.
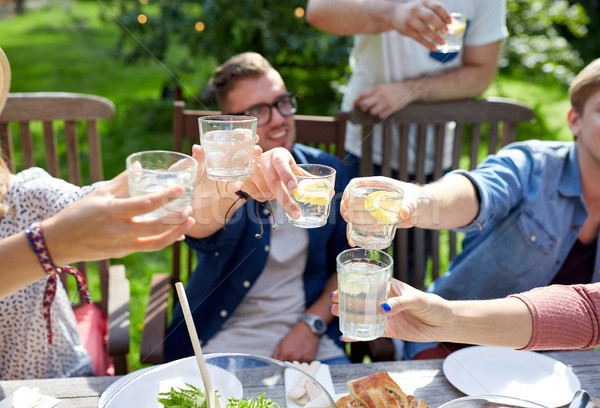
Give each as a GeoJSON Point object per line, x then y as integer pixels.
{"type": "Point", "coordinates": [237, 68]}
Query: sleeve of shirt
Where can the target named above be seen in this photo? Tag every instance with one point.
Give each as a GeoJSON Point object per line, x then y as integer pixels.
{"type": "Point", "coordinates": [488, 24]}
{"type": "Point", "coordinates": [502, 180]}
{"type": "Point", "coordinates": [564, 317]}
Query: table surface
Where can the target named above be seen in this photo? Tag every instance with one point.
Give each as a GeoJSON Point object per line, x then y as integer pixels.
{"type": "Point", "coordinates": [422, 378]}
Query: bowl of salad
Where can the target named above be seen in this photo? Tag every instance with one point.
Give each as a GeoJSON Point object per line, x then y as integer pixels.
{"type": "Point", "coordinates": [239, 380]}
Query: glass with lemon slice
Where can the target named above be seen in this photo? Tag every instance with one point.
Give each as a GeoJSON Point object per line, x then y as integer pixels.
{"type": "Point", "coordinates": [456, 31]}
{"type": "Point", "coordinates": [314, 193]}
{"type": "Point", "coordinates": [363, 279]}
{"type": "Point", "coordinates": [373, 214]}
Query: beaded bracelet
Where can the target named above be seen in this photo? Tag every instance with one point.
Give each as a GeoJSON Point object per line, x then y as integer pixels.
{"type": "Point", "coordinates": [38, 245]}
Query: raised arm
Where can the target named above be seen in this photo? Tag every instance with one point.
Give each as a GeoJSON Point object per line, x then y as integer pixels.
{"type": "Point", "coordinates": [215, 203]}
{"type": "Point", "coordinates": [420, 20]}
{"type": "Point", "coordinates": [98, 226]}
{"type": "Point", "coordinates": [448, 203]}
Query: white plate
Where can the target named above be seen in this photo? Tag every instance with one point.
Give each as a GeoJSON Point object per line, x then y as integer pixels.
{"type": "Point", "coordinates": [527, 375]}
{"type": "Point", "coordinates": [141, 389]}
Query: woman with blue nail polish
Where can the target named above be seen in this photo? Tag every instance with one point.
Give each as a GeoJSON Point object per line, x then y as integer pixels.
{"type": "Point", "coordinates": [556, 317]}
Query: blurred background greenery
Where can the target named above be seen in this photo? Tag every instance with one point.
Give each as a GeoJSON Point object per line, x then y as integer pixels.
{"type": "Point", "coordinates": [140, 54]}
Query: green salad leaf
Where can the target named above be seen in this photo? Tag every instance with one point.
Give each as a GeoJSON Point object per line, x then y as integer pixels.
{"type": "Point", "coordinates": [193, 397]}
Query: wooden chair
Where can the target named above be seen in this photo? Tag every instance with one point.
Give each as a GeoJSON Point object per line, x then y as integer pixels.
{"type": "Point", "coordinates": [67, 134]}
{"type": "Point", "coordinates": [500, 116]}
{"type": "Point", "coordinates": [325, 132]}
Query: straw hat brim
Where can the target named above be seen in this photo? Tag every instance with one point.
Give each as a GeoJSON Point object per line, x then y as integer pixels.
{"type": "Point", "coordinates": [4, 78]}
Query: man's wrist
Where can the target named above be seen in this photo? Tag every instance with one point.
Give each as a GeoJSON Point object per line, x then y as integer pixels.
{"type": "Point", "coordinates": [315, 323]}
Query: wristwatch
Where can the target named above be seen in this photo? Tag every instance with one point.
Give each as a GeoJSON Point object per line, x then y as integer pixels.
{"type": "Point", "coordinates": [316, 324]}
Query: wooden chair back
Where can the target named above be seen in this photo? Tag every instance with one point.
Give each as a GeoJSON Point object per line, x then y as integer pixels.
{"type": "Point", "coordinates": [325, 132]}
{"type": "Point", "coordinates": [481, 124]}
{"type": "Point", "coordinates": [56, 130]}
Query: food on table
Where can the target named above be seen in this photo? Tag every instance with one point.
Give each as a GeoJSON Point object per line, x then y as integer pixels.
{"type": "Point", "coordinates": [194, 397]}
{"type": "Point", "coordinates": [377, 391]}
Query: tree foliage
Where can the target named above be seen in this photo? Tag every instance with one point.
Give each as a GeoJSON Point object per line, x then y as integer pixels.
{"type": "Point", "coordinates": [537, 47]}
{"type": "Point", "coordinates": [540, 46]}
{"type": "Point", "coordinates": [306, 57]}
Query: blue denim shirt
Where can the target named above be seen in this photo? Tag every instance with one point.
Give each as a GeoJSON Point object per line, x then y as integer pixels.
{"type": "Point", "coordinates": [531, 211]}
{"type": "Point", "coordinates": [231, 260]}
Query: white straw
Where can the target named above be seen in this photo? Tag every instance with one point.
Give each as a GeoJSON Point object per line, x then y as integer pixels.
{"type": "Point", "coordinates": [211, 401]}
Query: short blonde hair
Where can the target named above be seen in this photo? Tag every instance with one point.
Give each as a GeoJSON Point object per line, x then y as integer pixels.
{"type": "Point", "coordinates": [584, 85]}
{"type": "Point", "coordinates": [237, 68]}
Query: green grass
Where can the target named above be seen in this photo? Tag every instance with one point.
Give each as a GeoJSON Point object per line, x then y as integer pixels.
{"type": "Point", "coordinates": [71, 49]}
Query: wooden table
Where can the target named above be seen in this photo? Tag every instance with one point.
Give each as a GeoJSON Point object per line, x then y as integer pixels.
{"type": "Point", "coordinates": [422, 378]}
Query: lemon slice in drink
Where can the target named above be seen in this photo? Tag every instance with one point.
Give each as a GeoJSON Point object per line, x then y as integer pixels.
{"type": "Point", "coordinates": [314, 192]}
{"type": "Point", "coordinates": [384, 206]}
{"type": "Point", "coordinates": [354, 284]}
{"type": "Point", "coordinates": [457, 27]}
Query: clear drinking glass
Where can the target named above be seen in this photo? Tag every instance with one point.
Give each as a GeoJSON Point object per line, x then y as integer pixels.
{"type": "Point", "coordinates": [363, 280]}
{"type": "Point", "coordinates": [228, 142]}
{"type": "Point", "coordinates": [456, 31]}
{"type": "Point", "coordinates": [154, 170]}
{"type": "Point", "coordinates": [315, 190]}
{"type": "Point", "coordinates": [373, 214]}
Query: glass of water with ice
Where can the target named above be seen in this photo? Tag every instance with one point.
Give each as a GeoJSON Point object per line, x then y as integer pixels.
{"type": "Point", "coordinates": [153, 170]}
{"type": "Point", "coordinates": [228, 142]}
{"type": "Point", "coordinates": [316, 188]}
{"type": "Point", "coordinates": [363, 280]}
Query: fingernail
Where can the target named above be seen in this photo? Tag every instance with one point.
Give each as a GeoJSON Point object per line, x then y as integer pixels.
{"type": "Point", "coordinates": [340, 338]}
{"type": "Point", "coordinates": [291, 184]}
{"type": "Point", "coordinates": [296, 214]}
{"type": "Point", "coordinates": [330, 306]}
{"type": "Point", "coordinates": [330, 295]}
{"type": "Point", "coordinates": [386, 307]}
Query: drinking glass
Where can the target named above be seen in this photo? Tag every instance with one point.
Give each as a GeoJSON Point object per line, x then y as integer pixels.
{"type": "Point", "coordinates": [363, 280]}
{"type": "Point", "coordinates": [228, 143]}
{"type": "Point", "coordinates": [154, 170]}
{"type": "Point", "coordinates": [314, 193]}
{"type": "Point", "coordinates": [454, 37]}
{"type": "Point", "coordinates": [373, 214]}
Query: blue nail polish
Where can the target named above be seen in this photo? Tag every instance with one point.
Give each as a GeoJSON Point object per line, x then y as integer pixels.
{"type": "Point", "coordinates": [386, 307]}
{"type": "Point", "coordinates": [341, 338]}
{"type": "Point", "coordinates": [330, 295]}
{"type": "Point", "coordinates": [330, 306]}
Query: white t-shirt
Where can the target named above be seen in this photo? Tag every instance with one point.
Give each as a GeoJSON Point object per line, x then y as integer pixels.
{"type": "Point", "coordinates": [391, 57]}
{"type": "Point", "coordinates": [275, 302]}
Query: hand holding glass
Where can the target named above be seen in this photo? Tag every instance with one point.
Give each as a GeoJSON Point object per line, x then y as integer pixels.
{"type": "Point", "coordinates": [373, 214]}
{"type": "Point", "coordinates": [154, 170]}
{"type": "Point", "coordinates": [456, 32]}
{"type": "Point", "coordinates": [313, 195]}
{"type": "Point", "coordinates": [363, 280]}
{"type": "Point", "coordinates": [228, 143]}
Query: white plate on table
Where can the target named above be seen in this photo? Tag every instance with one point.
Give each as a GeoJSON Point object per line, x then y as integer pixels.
{"type": "Point", "coordinates": [323, 376]}
{"type": "Point", "coordinates": [528, 375]}
{"type": "Point", "coordinates": [141, 388]}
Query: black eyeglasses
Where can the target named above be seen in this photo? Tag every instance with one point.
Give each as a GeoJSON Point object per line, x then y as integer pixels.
{"type": "Point", "coordinates": [286, 105]}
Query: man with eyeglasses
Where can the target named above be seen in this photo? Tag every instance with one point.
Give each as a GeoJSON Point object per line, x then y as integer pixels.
{"type": "Point", "coordinates": [256, 289]}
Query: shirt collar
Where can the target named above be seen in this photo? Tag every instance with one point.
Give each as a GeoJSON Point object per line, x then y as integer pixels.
{"type": "Point", "coordinates": [570, 181]}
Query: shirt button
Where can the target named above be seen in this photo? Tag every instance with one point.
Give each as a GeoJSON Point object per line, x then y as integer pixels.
{"type": "Point", "coordinates": [246, 284]}
{"type": "Point", "coordinates": [532, 238]}
{"type": "Point", "coordinates": [223, 313]}
{"type": "Point", "coordinates": [267, 248]}
{"type": "Point", "coordinates": [217, 253]}
{"type": "Point", "coordinates": [575, 227]}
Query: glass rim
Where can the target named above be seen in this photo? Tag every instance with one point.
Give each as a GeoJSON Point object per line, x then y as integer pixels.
{"type": "Point", "coordinates": [183, 156]}
{"type": "Point", "coordinates": [226, 118]}
{"type": "Point", "coordinates": [387, 256]}
{"type": "Point", "coordinates": [319, 166]}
